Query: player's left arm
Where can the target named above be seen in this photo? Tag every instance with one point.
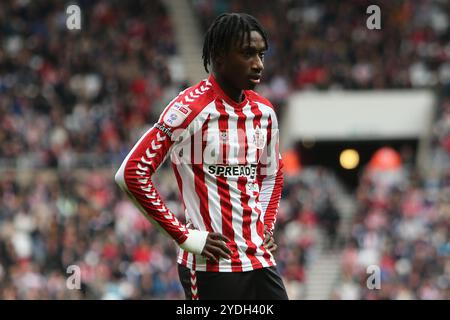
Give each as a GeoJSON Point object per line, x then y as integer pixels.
{"type": "Point", "coordinates": [270, 180]}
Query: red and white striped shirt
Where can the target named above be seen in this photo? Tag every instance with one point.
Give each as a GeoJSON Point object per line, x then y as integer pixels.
{"type": "Point", "coordinates": [228, 168]}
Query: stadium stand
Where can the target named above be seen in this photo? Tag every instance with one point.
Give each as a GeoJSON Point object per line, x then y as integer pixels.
{"type": "Point", "coordinates": [73, 102]}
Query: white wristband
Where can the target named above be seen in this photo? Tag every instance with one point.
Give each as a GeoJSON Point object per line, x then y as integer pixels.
{"type": "Point", "coordinates": [195, 241]}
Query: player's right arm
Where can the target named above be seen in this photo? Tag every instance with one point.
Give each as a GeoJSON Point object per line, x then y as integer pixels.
{"type": "Point", "coordinates": [134, 177]}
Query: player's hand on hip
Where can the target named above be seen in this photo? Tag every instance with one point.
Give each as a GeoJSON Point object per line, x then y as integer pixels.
{"type": "Point", "coordinates": [269, 241]}
{"type": "Point", "coordinates": [216, 247]}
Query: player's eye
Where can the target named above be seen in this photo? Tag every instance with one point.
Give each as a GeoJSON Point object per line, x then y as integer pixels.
{"type": "Point", "coordinates": [248, 53]}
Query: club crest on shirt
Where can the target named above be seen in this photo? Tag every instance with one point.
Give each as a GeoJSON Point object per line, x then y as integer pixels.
{"type": "Point", "coordinates": [223, 136]}
{"type": "Point", "coordinates": [258, 138]}
{"type": "Point", "coordinates": [176, 114]}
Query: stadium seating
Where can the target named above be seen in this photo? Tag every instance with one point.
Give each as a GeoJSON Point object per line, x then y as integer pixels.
{"type": "Point", "coordinates": [72, 104]}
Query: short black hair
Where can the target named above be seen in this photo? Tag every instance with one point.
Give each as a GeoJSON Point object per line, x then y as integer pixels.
{"type": "Point", "coordinates": [229, 28]}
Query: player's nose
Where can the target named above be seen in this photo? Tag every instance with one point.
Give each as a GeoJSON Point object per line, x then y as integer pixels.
{"type": "Point", "coordinates": [257, 64]}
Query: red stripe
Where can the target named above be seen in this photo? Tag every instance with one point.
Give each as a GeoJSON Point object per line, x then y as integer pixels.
{"type": "Point", "coordinates": [199, 176]}
{"type": "Point", "coordinates": [193, 287]}
{"type": "Point", "coordinates": [246, 210]}
{"type": "Point", "coordinates": [185, 258]}
{"type": "Point", "coordinates": [224, 194]}
{"type": "Point", "coordinates": [269, 138]}
{"type": "Point", "coordinates": [200, 186]}
{"type": "Point", "coordinates": [275, 196]}
{"type": "Point", "coordinates": [261, 224]}
{"type": "Point", "coordinates": [180, 186]}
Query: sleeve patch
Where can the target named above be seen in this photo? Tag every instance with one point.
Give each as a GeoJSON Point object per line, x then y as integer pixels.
{"type": "Point", "coordinates": [176, 114]}
{"type": "Point", "coordinates": [164, 129]}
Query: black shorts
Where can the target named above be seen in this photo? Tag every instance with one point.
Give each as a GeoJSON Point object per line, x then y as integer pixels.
{"type": "Point", "coordinates": [260, 284]}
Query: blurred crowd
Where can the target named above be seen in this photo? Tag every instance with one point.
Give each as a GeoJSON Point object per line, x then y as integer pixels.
{"type": "Point", "coordinates": [81, 99]}
{"type": "Point", "coordinates": [401, 226]}
{"type": "Point", "coordinates": [440, 136]}
{"type": "Point", "coordinates": [51, 222]}
{"type": "Point", "coordinates": [72, 98]}
{"type": "Point", "coordinates": [325, 44]}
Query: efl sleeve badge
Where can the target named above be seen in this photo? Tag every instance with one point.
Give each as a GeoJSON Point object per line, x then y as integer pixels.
{"type": "Point", "coordinates": [176, 115]}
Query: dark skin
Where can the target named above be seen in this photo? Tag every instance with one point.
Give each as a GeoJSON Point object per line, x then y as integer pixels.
{"type": "Point", "coordinates": [237, 70]}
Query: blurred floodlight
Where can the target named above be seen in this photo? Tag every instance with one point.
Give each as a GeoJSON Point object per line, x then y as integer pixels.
{"type": "Point", "coordinates": [349, 159]}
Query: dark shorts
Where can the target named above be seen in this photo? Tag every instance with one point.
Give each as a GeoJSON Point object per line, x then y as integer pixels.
{"type": "Point", "coordinates": [260, 284]}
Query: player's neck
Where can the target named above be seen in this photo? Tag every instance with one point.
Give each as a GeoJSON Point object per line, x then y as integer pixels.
{"type": "Point", "coordinates": [232, 92]}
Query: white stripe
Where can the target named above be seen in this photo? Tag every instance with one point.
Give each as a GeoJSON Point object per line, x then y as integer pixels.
{"type": "Point", "coordinates": [211, 185]}
{"type": "Point", "coordinates": [159, 137]}
{"type": "Point", "coordinates": [155, 146]}
{"type": "Point", "coordinates": [190, 259]}
{"type": "Point", "coordinates": [148, 189]}
{"type": "Point", "coordinates": [274, 157]}
{"type": "Point", "coordinates": [145, 161]}
{"type": "Point", "coordinates": [236, 204]}
{"type": "Point", "coordinates": [233, 142]}
{"type": "Point", "coordinates": [143, 168]}
{"type": "Point", "coordinates": [180, 256]}
{"type": "Point", "coordinates": [149, 154]}
{"type": "Point", "coordinates": [264, 123]}
{"type": "Point", "coordinates": [265, 194]}
{"type": "Point", "coordinates": [143, 181]}
{"type": "Point", "coordinates": [250, 131]}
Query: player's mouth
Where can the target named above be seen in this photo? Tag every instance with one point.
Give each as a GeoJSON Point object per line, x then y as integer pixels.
{"type": "Point", "coordinates": [256, 78]}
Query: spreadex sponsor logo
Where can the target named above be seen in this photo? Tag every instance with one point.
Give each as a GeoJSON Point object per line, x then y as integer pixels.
{"type": "Point", "coordinates": [248, 170]}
